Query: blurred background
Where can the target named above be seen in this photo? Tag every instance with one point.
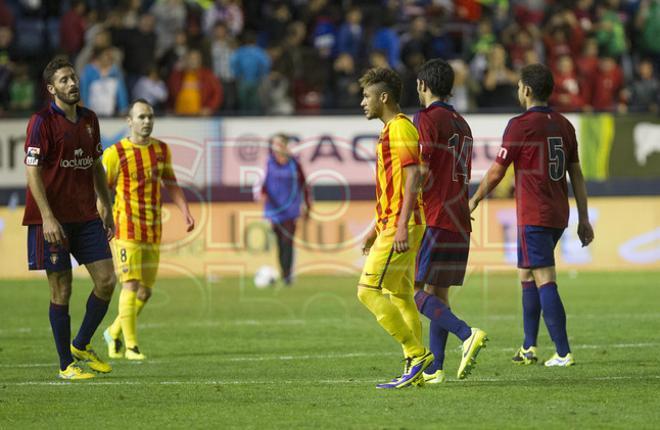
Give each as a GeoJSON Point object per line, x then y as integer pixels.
{"type": "Point", "coordinates": [226, 75]}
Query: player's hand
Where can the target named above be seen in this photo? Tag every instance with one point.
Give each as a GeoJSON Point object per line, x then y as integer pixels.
{"type": "Point", "coordinates": [108, 224]}
{"type": "Point", "coordinates": [368, 242]}
{"type": "Point", "coordinates": [53, 231]}
{"type": "Point", "coordinates": [585, 233]}
{"type": "Point", "coordinates": [190, 222]}
{"type": "Point", "coordinates": [401, 239]}
{"type": "Point", "coordinates": [473, 205]}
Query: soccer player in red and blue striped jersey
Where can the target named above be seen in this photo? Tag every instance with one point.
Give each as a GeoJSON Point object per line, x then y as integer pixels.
{"type": "Point", "coordinates": [542, 146]}
{"type": "Point", "coordinates": [446, 148]}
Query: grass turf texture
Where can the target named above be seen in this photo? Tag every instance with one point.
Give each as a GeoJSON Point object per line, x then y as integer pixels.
{"type": "Point", "coordinates": [225, 354]}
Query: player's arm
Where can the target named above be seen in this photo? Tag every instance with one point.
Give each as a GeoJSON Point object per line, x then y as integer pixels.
{"type": "Point", "coordinates": [176, 193]}
{"type": "Point", "coordinates": [103, 198]}
{"type": "Point", "coordinates": [493, 177]}
{"type": "Point", "coordinates": [179, 199]}
{"type": "Point", "coordinates": [53, 231]}
{"type": "Point", "coordinates": [405, 139]}
{"type": "Point", "coordinates": [585, 231]}
{"type": "Point", "coordinates": [410, 190]}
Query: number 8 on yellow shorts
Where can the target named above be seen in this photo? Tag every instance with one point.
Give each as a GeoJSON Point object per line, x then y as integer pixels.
{"type": "Point", "coordinates": [136, 261]}
{"type": "Point", "coordinates": [392, 271]}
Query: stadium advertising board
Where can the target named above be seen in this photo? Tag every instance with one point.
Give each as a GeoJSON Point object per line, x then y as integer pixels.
{"type": "Point", "coordinates": [333, 150]}
{"type": "Point", "coordinates": [235, 238]}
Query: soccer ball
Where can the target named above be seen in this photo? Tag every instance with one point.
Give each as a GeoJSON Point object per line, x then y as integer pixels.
{"type": "Point", "coordinates": [265, 277]}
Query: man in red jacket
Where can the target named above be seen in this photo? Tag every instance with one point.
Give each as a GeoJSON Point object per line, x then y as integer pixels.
{"type": "Point", "coordinates": [194, 90]}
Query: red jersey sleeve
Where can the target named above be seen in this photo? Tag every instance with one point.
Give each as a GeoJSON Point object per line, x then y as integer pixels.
{"type": "Point", "coordinates": [511, 144]}
{"type": "Point", "coordinates": [36, 141]}
{"type": "Point", "coordinates": [428, 134]}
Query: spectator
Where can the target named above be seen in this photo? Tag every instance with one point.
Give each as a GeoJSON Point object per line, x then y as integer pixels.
{"type": "Point", "coordinates": [96, 37]}
{"type": "Point", "coordinates": [605, 91]}
{"type": "Point", "coordinates": [648, 23]}
{"type": "Point", "coordinates": [72, 29]}
{"type": "Point", "coordinates": [222, 48]}
{"type": "Point", "coordinates": [378, 59]}
{"type": "Point", "coordinates": [170, 21]}
{"type": "Point", "coordinates": [250, 64]}
{"type": "Point", "coordinates": [344, 91]}
{"type": "Point", "coordinates": [563, 36]}
{"type": "Point", "coordinates": [151, 88]}
{"type": "Point", "coordinates": [418, 39]}
{"type": "Point", "coordinates": [587, 63]}
{"type": "Point", "coordinates": [139, 46]}
{"type": "Point", "coordinates": [6, 15]}
{"type": "Point", "coordinates": [102, 86]}
{"type": "Point", "coordinates": [610, 33]}
{"type": "Point", "coordinates": [276, 26]}
{"type": "Point", "coordinates": [499, 83]}
{"type": "Point", "coordinates": [566, 95]}
{"type": "Point", "coordinates": [645, 90]}
{"type": "Point", "coordinates": [387, 40]}
{"type": "Point", "coordinates": [175, 57]}
{"type": "Point", "coordinates": [195, 90]}
{"type": "Point", "coordinates": [131, 13]}
{"type": "Point", "coordinates": [21, 90]}
{"type": "Point", "coordinates": [412, 62]}
{"type": "Point", "coordinates": [275, 94]}
{"type": "Point", "coordinates": [228, 12]}
{"type": "Point", "coordinates": [462, 94]}
{"type": "Point", "coordinates": [351, 33]}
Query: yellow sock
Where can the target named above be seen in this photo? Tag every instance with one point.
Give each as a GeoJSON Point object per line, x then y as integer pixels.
{"type": "Point", "coordinates": [389, 317]}
{"type": "Point", "coordinates": [139, 304]}
{"type": "Point", "coordinates": [128, 316]}
{"type": "Point", "coordinates": [408, 309]}
{"type": "Point", "coordinates": [115, 328]}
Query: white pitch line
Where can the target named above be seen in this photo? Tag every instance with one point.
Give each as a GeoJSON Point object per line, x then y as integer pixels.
{"type": "Point", "coordinates": [323, 356]}
{"type": "Point", "coordinates": [314, 322]}
{"type": "Point", "coordinates": [301, 382]}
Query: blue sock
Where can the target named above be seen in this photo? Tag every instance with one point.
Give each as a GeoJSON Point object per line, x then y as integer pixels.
{"type": "Point", "coordinates": [531, 302]}
{"type": "Point", "coordinates": [437, 342]}
{"type": "Point", "coordinates": [96, 309]}
{"type": "Point", "coordinates": [60, 323]}
{"type": "Point", "coordinates": [554, 317]}
{"type": "Point", "coordinates": [435, 310]}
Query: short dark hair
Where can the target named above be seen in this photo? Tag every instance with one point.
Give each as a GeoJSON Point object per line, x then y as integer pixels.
{"type": "Point", "coordinates": [53, 66]}
{"type": "Point", "coordinates": [136, 101]}
{"type": "Point", "coordinates": [539, 78]}
{"type": "Point", "coordinates": [387, 79]}
{"type": "Point", "coordinates": [438, 75]}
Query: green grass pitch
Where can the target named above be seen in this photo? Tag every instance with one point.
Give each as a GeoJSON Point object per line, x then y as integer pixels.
{"type": "Point", "coordinates": [223, 354]}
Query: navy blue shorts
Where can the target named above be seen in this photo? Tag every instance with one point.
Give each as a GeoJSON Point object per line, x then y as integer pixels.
{"type": "Point", "coordinates": [536, 246]}
{"type": "Point", "coordinates": [86, 241]}
{"type": "Point", "coordinates": [442, 257]}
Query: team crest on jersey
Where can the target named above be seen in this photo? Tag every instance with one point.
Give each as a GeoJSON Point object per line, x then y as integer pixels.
{"type": "Point", "coordinates": [54, 258]}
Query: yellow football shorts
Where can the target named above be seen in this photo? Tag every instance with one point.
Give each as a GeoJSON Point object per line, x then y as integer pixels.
{"type": "Point", "coordinates": [392, 271]}
{"type": "Point", "coordinates": [136, 261]}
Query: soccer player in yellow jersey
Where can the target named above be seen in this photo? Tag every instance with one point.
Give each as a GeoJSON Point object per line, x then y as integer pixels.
{"type": "Point", "coordinates": [136, 168]}
{"type": "Point", "coordinates": [392, 246]}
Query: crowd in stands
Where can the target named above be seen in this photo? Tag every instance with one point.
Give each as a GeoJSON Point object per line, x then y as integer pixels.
{"type": "Point", "coordinates": [221, 57]}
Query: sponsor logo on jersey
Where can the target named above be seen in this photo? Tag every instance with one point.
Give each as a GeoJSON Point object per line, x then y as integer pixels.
{"type": "Point", "coordinates": [79, 160]}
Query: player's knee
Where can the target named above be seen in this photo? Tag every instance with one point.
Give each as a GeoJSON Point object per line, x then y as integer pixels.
{"type": "Point", "coordinates": [106, 283]}
{"type": "Point", "coordinates": [144, 294]}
